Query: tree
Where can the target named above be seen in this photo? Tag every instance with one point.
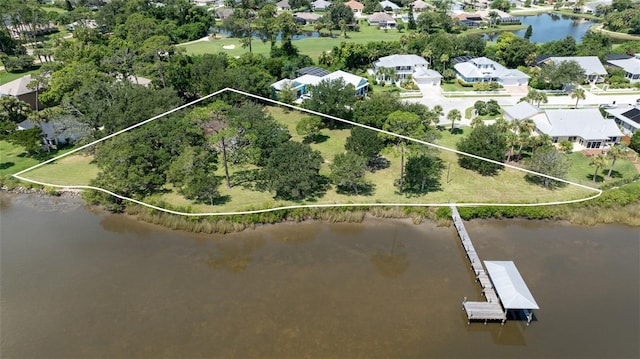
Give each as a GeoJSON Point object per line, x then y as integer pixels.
{"type": "Point", "coordinates": [578, 94]}
{"type": "Point", "coordinates": [423, 174]}
{"type": "Point", "coordinates": [548, 161]}
{"type": "Point", "coordinates": [528, 32]}
{"type": "Point", "coordinates": [193, 174]}
{"type": "Point", "coordinates": [513, 51]}
{"type": "Point", "coordinates": [598, 162]}
{"type": "Point", "coordinates": [310, 128]}
{"type": "Point", "coordinates": [332, 97]}
{"type": "Point", "coordinates": [12, 112]}
{"type": "Point", "coordinates": [477, 122]}
{"type": "Point", "coordinates": [487, 142]}
{"type": "Point", "coordinates": [292, 171]}
{"type": "Point", "coordinates": [348, 170]}
{"type": "Point", "coordinates": [635, 142]}
{"type": "Point", "coordinates": [453, 116]}
{"type": "Point", "coordinates": [364, 142]}
{"type": "Point", "coordinates": [340, 12]}
{"type": "Point", "coordinates": [535, 97]}
{"type": "Point", "coordinates": [493, 16]}
{"type": "Point", "coordinates": [30, 139]}
{"type": "Point", "coordinates": [406, 124]}
{"type": "Point", "coordinates": [616, 152]}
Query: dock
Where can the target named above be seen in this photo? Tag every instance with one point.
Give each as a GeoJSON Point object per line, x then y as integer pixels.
{"type": "Point", "coordinates": [491, 308]}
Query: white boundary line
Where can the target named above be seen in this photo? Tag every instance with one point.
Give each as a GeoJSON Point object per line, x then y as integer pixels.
{"type": "Point", "coordinates": [18, 174]}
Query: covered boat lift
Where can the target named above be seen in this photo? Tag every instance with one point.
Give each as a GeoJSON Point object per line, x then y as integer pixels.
{"type": "Point", "coordinates": [511, 288]}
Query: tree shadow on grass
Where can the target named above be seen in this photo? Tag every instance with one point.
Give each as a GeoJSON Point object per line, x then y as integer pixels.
{"type": "Point", "coordinates": [320, 138]}
{"type": "Point", "coordinates": [5, 165]}
{"type": "Point", "coordinates": [614, 173]}
{"type": "Point", "coordinates": [544, 182]}
{"type": "Point", "coordinates": [599, 178]}
{"type": "Point", "coordinates": [363, 190]}
{"type": "Point", "coordinates": [246, 179]}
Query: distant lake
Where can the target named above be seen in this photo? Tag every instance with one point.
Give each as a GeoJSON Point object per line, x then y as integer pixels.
{"type": "Point", "coordinates": [551, 27]}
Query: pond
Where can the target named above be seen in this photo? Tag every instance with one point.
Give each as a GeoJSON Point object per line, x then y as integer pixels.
{"type": "Point", "coordinates": [551, 27]}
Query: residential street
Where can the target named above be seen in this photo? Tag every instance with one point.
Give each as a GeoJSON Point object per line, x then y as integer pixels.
{"type": "Point", "coordinates": [432, 97]}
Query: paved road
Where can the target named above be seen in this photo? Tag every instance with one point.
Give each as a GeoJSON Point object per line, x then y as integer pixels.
{"type": "Point", "coordinates": [433, 97]}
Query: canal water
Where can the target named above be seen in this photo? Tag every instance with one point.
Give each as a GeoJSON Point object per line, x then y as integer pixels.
{"type": "Point", "coordinates": [551, 27]}
{"type": "Point", "coordinates": [77, 282]}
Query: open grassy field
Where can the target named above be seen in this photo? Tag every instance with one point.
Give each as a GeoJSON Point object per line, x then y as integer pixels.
{"type": "Point", "coordinates": [581, 172]}
{"type": "Point", "coordinates": [312, 47]}
{"type": "Point", "coordinates": [458, 185]}
{"type": "Point", "coordinates": [13, 159]}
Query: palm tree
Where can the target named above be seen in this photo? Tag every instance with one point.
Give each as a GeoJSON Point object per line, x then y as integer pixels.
{"type": "Point", "coordinates": [615, 153]}
{"type": "Point", "coordinates": [453, 116]}
{"type": "Point", "coordinates": [493, 15]}
{"type": "Point", "coordinates": [438, 111]}
{"type": "Point", "coordinates": [477, 122]}
{"type": "Point", "coordinates": [526, 126]}
{"type": "Point", "coordinates": [578, 94]}
{"type": "Point", "coordinates": [512, 141]}
{"type": "Point", "coordinates": [598, 162]}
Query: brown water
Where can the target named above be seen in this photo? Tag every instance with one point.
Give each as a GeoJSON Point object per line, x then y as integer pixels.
{"type": "Point", "coordinates": [81, 284]}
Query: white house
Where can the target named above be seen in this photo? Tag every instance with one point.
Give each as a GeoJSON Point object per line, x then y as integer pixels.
{"type": "Point", "coordinates": [591, 65]}
{"type": "Point", "coordinates": [382, 20]}
{"type": "Point", "coordinates": [283, 5]}
{"type": "Point", "coordinates": [389, 6]}
{"type": "Point", "coordinates": [482, 69]}
{"type": "Point", "coordinates": [404, 66]}
{"type": "Point", "coordinates": [320, 4]}
{"type": "Point", "coordinates": [631, 67]}
{"type": "Point", "coordinates": [586, 128]}
{"type": "Point", "coordinates": [627, 117]}
{"type": "Point", "coordinates": [303, 84]}
{"type": "Point", "coordinates": [425, 76]}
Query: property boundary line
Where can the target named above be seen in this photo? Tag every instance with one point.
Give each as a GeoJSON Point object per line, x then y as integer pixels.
{"type": "Point", "coordinates": [18, 174]}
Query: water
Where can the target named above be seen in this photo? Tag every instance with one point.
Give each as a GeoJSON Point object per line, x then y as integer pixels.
{"type": "Point", "coordinates": [79, 283]}
{"type": "Point", "coordinates": [551, 27]}
{"type": "Point", "coordinates": [300, 36]}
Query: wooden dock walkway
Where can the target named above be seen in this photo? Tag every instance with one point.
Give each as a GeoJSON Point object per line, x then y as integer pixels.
{"type": "Point", "coordinates": [491, 309]}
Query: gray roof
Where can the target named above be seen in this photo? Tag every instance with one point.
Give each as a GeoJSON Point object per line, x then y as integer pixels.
{"type": "Point", "coordinates": [469, 69]}
{"type": "Point", "coordinates": [509, 285]}
{"type": "Point", "coordinates": [386, 3]}
{"type": "Point", "coordinates": [521, 111]}
{"type": "Point", "coordinates": [590, 64]}
{"type": "Point", "coordinates": [283, 4]}
{"type": "Point", "coordinates": [401, 60]}
{"type": "Point", "coordinates": [17, 87]}
{"type": "Point", "coordinates": [422, 72]}
{"type": "Point", "coordinates": [321, 4]}
{"type": "Point", "coordinates": [628, 114]}
{"type": "Point", "coordinates": [47, 128]}
{"type": "Point", "coordinates": [419, 4]}
{"type": "Point", "coordinates": [380, 16]}
{"type": "Point", "coordinates": [585, 123]}
{"type": "Point", "coordinates": [631, 65]}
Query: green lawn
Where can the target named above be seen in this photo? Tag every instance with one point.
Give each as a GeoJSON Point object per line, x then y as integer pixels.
{"type": "Point", "coordinates": [581, 172]}
{"type": "Point", "coordinates": [13, 159]}
{"type": "Point", "coordinates": [312, 47]}
{"type": "Point", "coordinates": [75, 170]}
{"type": "Point", "coordinates": [10, 76]}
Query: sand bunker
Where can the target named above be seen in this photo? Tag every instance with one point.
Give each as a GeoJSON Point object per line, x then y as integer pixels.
{"type": "Point", "coordinates": [229, 47]}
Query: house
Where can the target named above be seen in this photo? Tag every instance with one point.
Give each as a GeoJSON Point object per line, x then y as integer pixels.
{"type": "Point", "coordinates": [594, 7]}
{"type": "Point", "coordinates": [425, 76]}
{"type": "Point", "coordinates": [57, 132]}
{"type": "Point", "coordinates": [591, 65]}
{"type": "Point", "coordinates": [403, 65]}
{"type": "Point", "coordinates": [482, 69]}
{"type": "Point", "coordinates": [304, 83]}
{"type": "Point", "coordinates": [585, 128]}
{"type": "Point", "coordinates": [381, 20]}
{"type": "Point", "coordinates": [320, 5]}
{"type": "Point", "coordinates": [355, 6]}
{"type": "Point", "coordinates": [388, 6]}
{"type": "Point", "coordinates": [521, 111]}
{"type": "Point", "coordinates": [222, 14]}
{"type": "Point", "coordinates": [19, 88]}
{"type": "Point", "coordinates": [283, 5]}
{"type": "Point", "coordinates": [631, 67]}
{"type": "Point", "coordinates": [420, 6]}
{"type": "Point", "coordinates": [627, 117]}
{"type": "Point", "coordinates": [306, 18]}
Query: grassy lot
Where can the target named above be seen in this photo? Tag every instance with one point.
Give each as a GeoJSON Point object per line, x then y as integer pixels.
{"type": "Point", "coordinates": [75, 170]}
{"type": "Point", "coordinates": [10, 76]}
{"type": "Point", "coordinates": [454, 86]}
{"type": "Point", "coordinates": [458, 184]}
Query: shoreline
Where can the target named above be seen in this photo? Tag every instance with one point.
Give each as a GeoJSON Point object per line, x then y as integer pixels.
{"type": "Point", "coordinates": [609, 210]}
